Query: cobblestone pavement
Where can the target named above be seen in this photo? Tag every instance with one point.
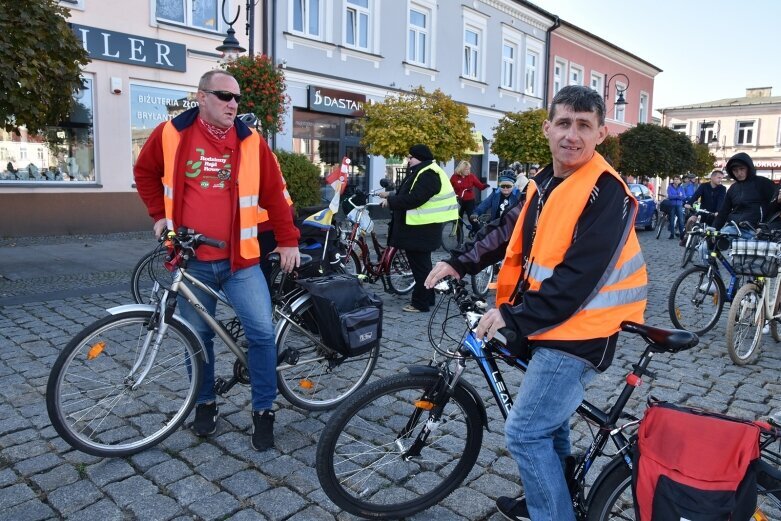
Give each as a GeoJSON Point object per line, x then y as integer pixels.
{"type": "Point", "coordinates": [223, 478]}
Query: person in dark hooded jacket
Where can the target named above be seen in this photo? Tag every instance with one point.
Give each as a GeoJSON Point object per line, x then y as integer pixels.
{"type": "Point", "coordinates": [750, 199]}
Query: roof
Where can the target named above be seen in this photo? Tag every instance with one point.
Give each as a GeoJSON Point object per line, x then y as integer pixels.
{"type": "Point", "coordinates": [729, 102]}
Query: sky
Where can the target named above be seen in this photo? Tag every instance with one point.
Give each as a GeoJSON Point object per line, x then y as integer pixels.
{"type": "Point", "coordinates": [706, 50]}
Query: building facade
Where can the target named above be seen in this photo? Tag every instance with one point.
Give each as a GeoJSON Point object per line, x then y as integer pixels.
{"type": "Point", "coordinates": [581, 58]}
{"type": "Point", "coordinates": [750, 124]}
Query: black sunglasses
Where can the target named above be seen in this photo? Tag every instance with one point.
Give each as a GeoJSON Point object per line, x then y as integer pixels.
{"type": "Point", "coordinates": [506, 186]}
{"type": "Point", "coordinates": [224, 95]}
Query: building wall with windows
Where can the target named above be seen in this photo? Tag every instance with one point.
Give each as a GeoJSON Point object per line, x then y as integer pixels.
{"type": "Point", "coordinates": [581, 58]}
{"type": "Point", "coordinates": [146, 59]}
{"type": "Point", "coordinates": [339, 54]}
{"type": "Point", "coordinates": [750, 124]}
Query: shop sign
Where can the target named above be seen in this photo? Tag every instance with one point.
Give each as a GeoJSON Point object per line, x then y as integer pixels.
{"type": "Point", "coordinates": [336, 101]}
{"type": "Point", "coordinates": [103, 44]}
{"type": "Point", "coordinates": [478, 148]}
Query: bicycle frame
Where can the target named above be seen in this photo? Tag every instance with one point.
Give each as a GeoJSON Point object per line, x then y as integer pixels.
{"type": "Point", "coordinates": [384, 253]}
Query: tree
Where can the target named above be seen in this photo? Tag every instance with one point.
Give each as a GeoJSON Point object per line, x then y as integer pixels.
{"type": "Point", "coordinates": [651, 150]}
{"type": "Point", "coordinates": [262, 90]}
{"type": "Point", "coordinates": [392, 126]}
{"type": "Point", "coordinates": [41, 64]}
{"type": "Point", "coordinates": [518, 137]}
{"type": "Point", "coordinates": [704, 161]}
{"type": "Point", "coordinates": [301, 176]}
{"type": "Point", "coordinates": [610, 149]}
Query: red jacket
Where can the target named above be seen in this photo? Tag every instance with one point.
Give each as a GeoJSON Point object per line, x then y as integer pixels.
{"type": "Point", "coordinates": [464, 186]}
{"type": "Point", "coordinates": [148, 173]}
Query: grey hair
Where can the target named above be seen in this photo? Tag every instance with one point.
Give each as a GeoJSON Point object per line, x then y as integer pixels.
{"type": "Point", "coordinates": [205, 81]}
{"type": "Point", "coordinates": [581, 99]}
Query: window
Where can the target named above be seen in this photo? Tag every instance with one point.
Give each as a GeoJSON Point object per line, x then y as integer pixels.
{"type": "Point", "coordinates": [471, 53]}
{"type": "Point", "coordinates": [79, 4]}
{"type": "Point", "coordinates": [558, 75]}
{"type": "Point", "coordinates": [598, 82]}
{"type": "Point", "coordinates": [418, 36]}
{"type": "Point", "coordinates": [679, 127]}
{"type": "Point", "coordinates": [619, 112]}
{"type": "Point", "coordinates": [199, 14]}
{"type": "Point", "coordinates": [509, 52]}
{"type": "Point", "coordinates": [62, 153]}
{"type": "Point", "coordinates": [575, 75]}
{"type": "Point", "coordinates": [306, 17]}
{"type": "Point", "coordinates": [706, 132]}
{"type": "Point", "coordinates": [356, 26]}
{"type": "Point", "coordinates": [778, 133]}
{"type": "Point", "coordinates": [744, 134]}
{"type": "Point", "coordinates": [532, 64]}
{"type": "Point", "coordinates": [642, 116]}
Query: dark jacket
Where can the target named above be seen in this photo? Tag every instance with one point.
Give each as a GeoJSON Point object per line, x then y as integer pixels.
{"type": "Point", "coordinates": [710, 198]}
{"type": "Point", "coordinates": [490, 205]}
{"type": "Point", "coordinates": [425, 237]}
{"type": "Point", "coordinates": [751, 200]}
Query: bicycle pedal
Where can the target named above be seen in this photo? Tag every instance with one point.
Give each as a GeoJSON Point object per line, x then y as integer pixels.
{"type": "Point", "coordinates": [222, 386]}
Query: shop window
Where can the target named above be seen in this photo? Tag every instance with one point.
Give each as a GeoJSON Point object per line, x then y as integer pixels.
{"type": "Point", "coordinates": [198, 14]}
{"type": "Point", "coordinates": [65, 153]}
{"type": "Point", "coordinates": [150, 106]}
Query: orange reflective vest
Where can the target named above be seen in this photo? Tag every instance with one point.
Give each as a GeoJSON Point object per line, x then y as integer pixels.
{"type": "Point", "coordinates": [262, 212]}
{"type": "Point", "coordinates": [621, 292]}
{"type": "Point", "coordinates": [247, 184]}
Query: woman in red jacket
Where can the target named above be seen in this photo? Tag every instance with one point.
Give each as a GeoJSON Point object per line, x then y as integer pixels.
{"type": "Point", "coordinates": [464, 182]}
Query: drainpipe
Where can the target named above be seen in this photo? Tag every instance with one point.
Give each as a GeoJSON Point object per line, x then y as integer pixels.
{"type": "Point", "coordinates": [556, 25]}
{"type": "Point", "coordinates": [273, 54]}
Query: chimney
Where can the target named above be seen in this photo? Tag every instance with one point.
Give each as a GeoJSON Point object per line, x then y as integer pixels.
{"type": "Point", "coordinates": [758, 92]}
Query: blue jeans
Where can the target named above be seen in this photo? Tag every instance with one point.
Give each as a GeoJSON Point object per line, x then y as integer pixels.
{"type": "Point", "coordinates": [676, 218]}
{"type": "Point", "coordinates": [537, 429]}
{"type": "Point", "coordinates": [248, 295]}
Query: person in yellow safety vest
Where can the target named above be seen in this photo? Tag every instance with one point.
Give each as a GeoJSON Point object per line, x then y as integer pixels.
{"type": "Point", "coordinates": [572, 272]}
{"type": "Point", "coordinates": [206, 170]}
{"type": "Point", "coordinates": [422, 203]}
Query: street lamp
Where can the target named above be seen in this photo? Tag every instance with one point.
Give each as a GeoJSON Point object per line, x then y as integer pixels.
{"type": "Point", "coordinates": [620, 100]}
{"type": "Point", "coordinates": [230, 46]}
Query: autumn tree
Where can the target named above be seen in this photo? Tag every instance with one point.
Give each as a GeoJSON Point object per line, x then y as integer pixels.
{"type": "Point", "coordinates": [704, 160]}
{"type": "Point", "coordinates": [610, 149]}
{"type": "Point", "coordinates": [392, 126]}
{"type": "Point", "coordinates": [518, 137]}
{"type": "Point", "coordinates": [651, 150]}
{"type": "Point", "coordinates": [41, 64]}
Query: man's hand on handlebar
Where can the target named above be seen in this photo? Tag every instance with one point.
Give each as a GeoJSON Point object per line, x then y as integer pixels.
{"type": "Point", "coordinates": [489, 324]}
{"type": "Point", "coordinates": [440, 271]}
{"type": "Point", "coordinates": [289, 257]}
{"type": "Point", "coordinates": [158, 228]}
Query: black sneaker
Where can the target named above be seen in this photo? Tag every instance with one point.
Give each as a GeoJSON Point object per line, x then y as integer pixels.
{"type": "Point", "coordinates": [513, 509]}
{"type": "Point", "coordinates": [262, 430]}
{"type": "Point", "coordinates": [205, 422]}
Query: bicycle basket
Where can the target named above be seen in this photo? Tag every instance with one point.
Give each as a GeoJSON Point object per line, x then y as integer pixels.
{"type": "Point", "coordinates": [348, 316]}
{"type": "Point", "coordinates": [757, 258]}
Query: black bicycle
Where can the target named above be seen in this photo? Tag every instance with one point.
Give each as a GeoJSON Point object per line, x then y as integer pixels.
{"type": "Point", "coordinates": [404, 443]}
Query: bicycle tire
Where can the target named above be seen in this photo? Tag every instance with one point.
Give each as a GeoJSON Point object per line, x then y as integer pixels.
{"type": "Point", "coordinates": [660, 224]}
{"type": "Point", "coordinates": [320, 378]}
{"type": "Point", "coordinates": [744, 325]}
{"type": "Point", "coordinates": [450, 235]}
{"type": "Point", "coordinates": [351, 263]}
{"type": "Point", "coordinates": [122, 421]}
{"type": "Point", "coordinates": [399, 279]}
{"type": "Point", "coordinates": [481, 281]}
{"type": "Point", "coordinates": [689, 249]}
{"type": "Point", "coordinates": [381, 409]}
{"type": "Point", "coordinates": [150, 278]}
{"type": "Point", "coordinates": [696, 300]}
{"type": "Point", "coordinates": [613, 498]}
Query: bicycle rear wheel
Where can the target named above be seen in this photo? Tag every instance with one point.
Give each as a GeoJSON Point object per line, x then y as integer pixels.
{"type": "Point", "coordinates": [90, 396]}
{"type": "Point", "coordinates": [400, 279]}
{"type": "Point", "coordinates": [696, 300]}
{"type": "Point", "coordinates": [450, 235]}
{"type": "Point", "coordinates": [481, 281]}
{"type": "Point", "coordinates": [660, 224]}
{"type": "Point", "coordinates": [613, 500]}
{"type": "Point", "coordinates": [744, 325]}
{"type": "Point", "coordinates": [309, 374]}
{"type": "Point", "coordinates": [150, 277]}
{"type": "Point", "coordinates": [364, 462]}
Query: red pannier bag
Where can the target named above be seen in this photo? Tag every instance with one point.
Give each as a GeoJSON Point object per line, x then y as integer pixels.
{"type": "Point", "coordinates": [694, 465]}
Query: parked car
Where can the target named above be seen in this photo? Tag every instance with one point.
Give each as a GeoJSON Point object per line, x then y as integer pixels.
{"type": "Point", "coordinates": [647, 213]}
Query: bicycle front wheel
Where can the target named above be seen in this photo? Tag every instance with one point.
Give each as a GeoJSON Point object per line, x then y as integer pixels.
{"type": "Point", "coordinates": [100, 405]}
{"type": "Point", "coordinates": [372, 459]}
{"type": "Point", "coordinates": [744, 325]}
{"type": "Point", "coordinates": [150, 277]}
{"type": "Point", "coordinates": [688, 252]}
{"type": "Point", "coordinates": [613, 499]}
{"type": "Point", "coordinates": [481, 281]}
{"type": "Point", "coordinates": [450, 235]}
{"type": "Point", "coordinates": [696, 300]}
{"type": "Point", "coordinates": [660, 224]}
{"type": "Point", "coordinates": [309, 374]}
{"type": "Point", "coordinates": [399, 278]}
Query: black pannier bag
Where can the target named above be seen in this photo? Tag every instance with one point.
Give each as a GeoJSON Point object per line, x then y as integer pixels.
{"type": "Point", "coordinates": [695, 465]}
{"type": "Point", "coordinates": [349, 317]}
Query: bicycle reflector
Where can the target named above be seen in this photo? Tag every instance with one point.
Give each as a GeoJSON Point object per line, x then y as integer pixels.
{"type": "Point", "coordinates": [307, 384]}
{"type": "Point", "coordinates": [759, 516]}
{"type": "Point", "coordinates": [424, 404]}
{"type": "Point", "coordinates": [96, 350]}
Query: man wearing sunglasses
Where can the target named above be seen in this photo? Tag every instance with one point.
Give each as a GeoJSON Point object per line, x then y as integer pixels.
{"type": "Point", "coordinates": [206, 170]}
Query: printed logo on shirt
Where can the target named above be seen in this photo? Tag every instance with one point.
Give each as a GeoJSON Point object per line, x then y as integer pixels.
{"type": "Point", "coordinates": [213, 171]}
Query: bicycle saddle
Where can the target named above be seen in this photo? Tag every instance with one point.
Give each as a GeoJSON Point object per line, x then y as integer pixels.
{"type": "Point", "coordinates": [663, 340]}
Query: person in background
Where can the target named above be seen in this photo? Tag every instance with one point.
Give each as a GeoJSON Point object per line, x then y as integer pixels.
{"type": "Point", "coordinates": [206, 170]}
{"type": "Point", "coordinates": [676, 197]}
{"type": "Point", "coordinates": [650, 185]}
{"type": "Point", "coordinates": [751, 198]}
{"type": "Point", "coordinates": [573, 272]}
{"type": "Point", "coordinates": [690, 185]}
{"type": "Point", "coordinates": [500, 200]}
{"type": "Point", "coordinates": [711, 197]}
{"type": "Point", "coordinates": [464, 183]}
{"type": "Point", "coordinates": [421, 204]}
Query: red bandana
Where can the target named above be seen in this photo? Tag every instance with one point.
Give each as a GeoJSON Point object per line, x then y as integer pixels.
{"type": "Point", "coordinates": [215, 132]}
